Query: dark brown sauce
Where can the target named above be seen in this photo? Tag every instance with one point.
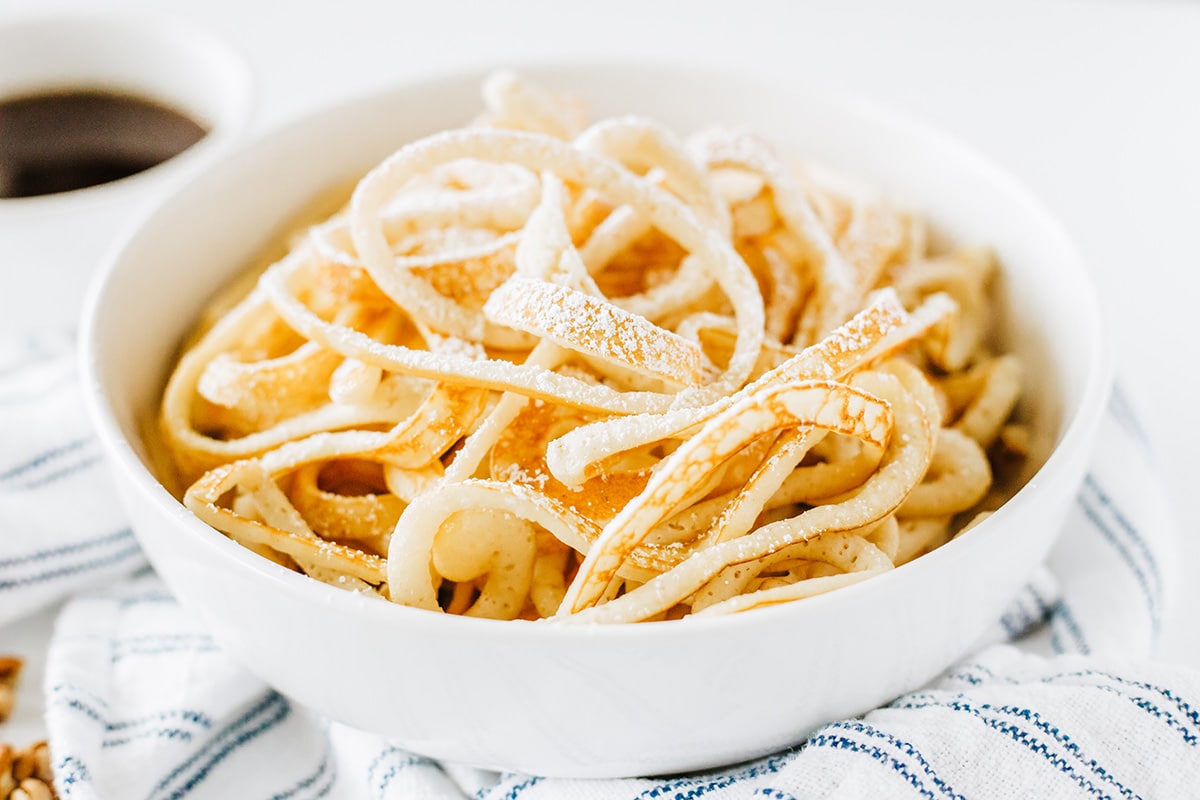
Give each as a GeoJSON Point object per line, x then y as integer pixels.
{"type": "Point", "coordinates": [65, 140]}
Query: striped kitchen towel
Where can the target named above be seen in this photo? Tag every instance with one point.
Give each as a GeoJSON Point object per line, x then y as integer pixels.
{"type": "Point", "coordinates": [61, 528]}
{"type": "Point", "coordinates": [1059, 702]}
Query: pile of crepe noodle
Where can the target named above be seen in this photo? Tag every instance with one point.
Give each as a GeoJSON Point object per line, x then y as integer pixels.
{"type": "Point", "coordinates": [536, 368]}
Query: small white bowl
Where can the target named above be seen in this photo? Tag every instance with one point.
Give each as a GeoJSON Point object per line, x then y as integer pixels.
{"type": "Point", "coordinates": [606, 700]}
{"type": "Point", "coordinates": [51, 243]}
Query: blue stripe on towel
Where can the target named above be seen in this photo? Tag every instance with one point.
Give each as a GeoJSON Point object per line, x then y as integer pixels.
{"type": "Point", "coordinates": [1093, 514]}
{"type": "Point", "coordinates": [1180, 703]}
{"type": "Point", "coordinates": [44, 457]}
{"type": "Point", "coordinates": [163, 724]}
{"type": "Point", "coordinates": [1018, 620]}
{"type": "Point", "coordinates": [1138, 544]}
{"type": "Point", "coordinates": [70, 771]}
{"type": "Point", "coordinates": [129, 553]}
{"type": "Point", "coordinates": [1012, 632]}
{"type": "Point", "coordinates": [161, 644]}
{"type": "Point", "coordinates": [1062, 619]}
{"type": "Point", "coordinates": [63, 688]}
{"type": "Point", "coordinates": [517, 789]}
{"type": "Point", "coordinates": [83, 708]}
{"type": "Point", "coordinates": [197, 718]}
{"type": "Point", "coordinates": [1045, 610]}
{"type": "Point", "coordinates": [147, 598]}
{"type": "Point", "coordinates": [969, 673]}
{"type": "Point", "coordinates": [1135, 536]}
{"type": "Point", "coordinates": [1120, 409]}
{"type": "Point", "coordinates": [849, 745]}
{"type": "Point", "coordinates": [1153, 710]}
{"type": "Point", "coordinates": [324, 776]}
{"type": "Point", "coordinates": [399, 761]}
{"type": "Point", "coordinates": [125, 601]}
{"type": "Point", "coordinates": [965, 676]}
{"type": "Point", "coordinates": [66, 549]}
{"type": "Point", "coordinates": [59, 474]}
{"type": "Point", "coordinates": [1042, 617]}
{"type": "Point", "coordinates": [179, 734]}
{"type": "Point", "coordinates": [1023, 737]}
{"type": "Point", "coordinates": [1189, 735]}
{"type": "Point", "coordinates": [905, 748]}
{"type": "Point", "coordinates": [396, 768]}
{"type": "Point", "coordinates": [691, 788]}
{"type": "Point", "coordinates": [266, 714]}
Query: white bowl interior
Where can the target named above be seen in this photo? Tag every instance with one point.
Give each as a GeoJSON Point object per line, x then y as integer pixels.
{"type": "Point", "coordinates": [493, 693]}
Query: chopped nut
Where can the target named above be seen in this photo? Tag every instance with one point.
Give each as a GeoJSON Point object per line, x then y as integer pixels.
{"type": "Point", "coordinates": [7, 783]}
{"type": "Point", "coordinates": [10, 666]}
{"type": "Point", "coordinates": [32, 789]}
{"type": "Point", "coordinates": [7, 699]}
{"type": "Point", "coordinates": [25, 774]}
{"type": "Point", "coordinates": [41, 759]}
{"type": "Point", "coordinates": [24, 765]}
{"type": "Point", "coordinates": [10, 671]}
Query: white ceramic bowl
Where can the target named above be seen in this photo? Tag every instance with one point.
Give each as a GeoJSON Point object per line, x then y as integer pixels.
{"type": "Point", "coordinates": [605, 700]}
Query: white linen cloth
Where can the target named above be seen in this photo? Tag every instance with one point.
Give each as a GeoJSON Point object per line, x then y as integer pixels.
{"type": "Point", "coordinates": [1058, 701]}
{"type": "Point", "coordinates": [61, 527]}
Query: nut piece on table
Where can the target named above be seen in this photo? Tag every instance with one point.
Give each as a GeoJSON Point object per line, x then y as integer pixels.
{"type": "Point", "coordinates": [25, 774]}
{"type": "Point", "coordinates": [10, 671]}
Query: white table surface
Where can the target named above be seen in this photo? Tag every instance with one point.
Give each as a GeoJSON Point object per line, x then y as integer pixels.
{"type": "Point", "coordinates": [1094, 105]}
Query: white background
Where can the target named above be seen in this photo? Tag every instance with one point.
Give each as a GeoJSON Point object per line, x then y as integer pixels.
{"type": "Point", "coordinates": [1094, 105]}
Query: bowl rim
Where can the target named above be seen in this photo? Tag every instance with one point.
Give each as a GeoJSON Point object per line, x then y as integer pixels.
{"type": "Point", "coordinates": [1077, 426]}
